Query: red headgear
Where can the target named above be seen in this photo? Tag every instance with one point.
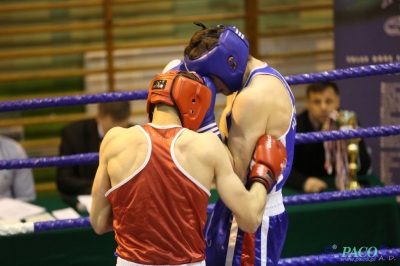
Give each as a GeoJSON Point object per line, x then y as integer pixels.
{"type": "Point", "coordinates": [183, 90]}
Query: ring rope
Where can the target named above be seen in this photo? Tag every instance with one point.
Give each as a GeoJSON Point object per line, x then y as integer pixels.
{"type": "Point", "coordinates": [342, 195]}
{"type": "Point", "coordinates": [368, 132]}
{"type": "Point", "coordinates": [61, 224]}
{"type": "Point", "coordinates": [352, 72]}
{"type": "Point", "coordinates": [33, 227]}
{"type": "Point", "coordinates": [335, 196]}
{"type": "Point", "coordinates": [73, 100]}
{"type": "Point", "coordinates": [84, 158]}
{"type": "Point", "coordinates": [93, 157]}
{"type": "Point", "coordinates": [369, 70]}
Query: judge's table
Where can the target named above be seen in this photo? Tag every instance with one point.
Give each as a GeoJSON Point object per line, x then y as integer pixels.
{"type": "Point", "coordinates": [73, 246]}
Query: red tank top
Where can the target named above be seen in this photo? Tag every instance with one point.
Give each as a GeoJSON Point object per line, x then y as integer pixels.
{"type": "Point", "coordinates": [160, 211]}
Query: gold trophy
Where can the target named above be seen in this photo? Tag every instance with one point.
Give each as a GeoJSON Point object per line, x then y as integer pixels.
{"type": "Point", "coordinates": [348, 120]}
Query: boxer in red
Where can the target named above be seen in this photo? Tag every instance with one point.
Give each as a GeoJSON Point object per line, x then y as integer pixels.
{"type": "Point", "coordinates": [153, 181]}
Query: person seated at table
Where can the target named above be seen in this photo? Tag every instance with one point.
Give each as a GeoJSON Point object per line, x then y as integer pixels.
{"type": "Point", "coordinates": [310, 162]}
{"type": "Point", "coordinates": [153, 182]}
{"type": "Point", "coordinates": [15, 183]}
{"type": "Point", "coordinates": [85, 136]}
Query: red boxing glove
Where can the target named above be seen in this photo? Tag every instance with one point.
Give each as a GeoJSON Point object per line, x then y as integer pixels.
{"type": "Point", "coordinates": [269, 161]}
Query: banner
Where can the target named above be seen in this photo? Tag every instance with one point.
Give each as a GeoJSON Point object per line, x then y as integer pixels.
{"type": "Point", "coordinates": [368, 33]}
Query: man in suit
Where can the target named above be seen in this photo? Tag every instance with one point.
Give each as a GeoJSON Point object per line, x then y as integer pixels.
{"type": "Point", "coordinates": [85, 136]}
{"type": "Point", "coordinates": [309, 159]}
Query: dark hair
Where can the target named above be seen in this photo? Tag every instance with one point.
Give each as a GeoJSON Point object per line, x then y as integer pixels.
{"type": "Point", "coordinates": [202, 41]}
{"type": "Point", "coordinates": [117, 110]}
{"type": "Point", "coordinates": [321, 87]}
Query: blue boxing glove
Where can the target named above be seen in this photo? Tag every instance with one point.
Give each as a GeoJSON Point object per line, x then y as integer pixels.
{"type": "Point", "coordinates": [209, 124]}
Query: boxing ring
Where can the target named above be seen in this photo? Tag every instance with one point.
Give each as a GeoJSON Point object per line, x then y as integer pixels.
{"type": "Point", "coordinates": [321, 259]}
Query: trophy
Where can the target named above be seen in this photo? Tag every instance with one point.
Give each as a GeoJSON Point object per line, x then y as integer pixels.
{"type": "Point", "coordinates": [348, 120]}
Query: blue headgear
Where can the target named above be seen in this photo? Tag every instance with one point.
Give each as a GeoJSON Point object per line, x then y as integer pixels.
{"type": "Point", "coordinates": [232, 43]}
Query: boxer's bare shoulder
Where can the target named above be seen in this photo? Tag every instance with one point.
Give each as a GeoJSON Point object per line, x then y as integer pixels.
{"type": "Point", "coordinates": [118, 139]}
{"type": "Point", "coordinates": [199, 141]}
{"type": "Point", "coordinates": [200, 154]}
{"type": "Point", "coordinates": [204, 148]}
{"type": "Point", "coordinates": [265, 94]}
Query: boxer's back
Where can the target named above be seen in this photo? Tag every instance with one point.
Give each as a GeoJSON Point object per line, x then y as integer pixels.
{"type": "Point", "coordinates": [126, 152]}
{"type": "Point", "coordinates": [152, 192]}
{"type": "Point", "coordinates": [129, 147]}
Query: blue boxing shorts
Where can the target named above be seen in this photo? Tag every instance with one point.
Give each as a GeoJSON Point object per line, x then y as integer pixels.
{"type": "Point", "coordinates": [227, 245]}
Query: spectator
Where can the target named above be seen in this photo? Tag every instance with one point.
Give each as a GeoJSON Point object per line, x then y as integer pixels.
{"type": "Point", "coordinates": [84, 137]}
{"type": "Point", "coordinates": [309, 159]}
{"type": "Point", "coordinates": [15, 183]}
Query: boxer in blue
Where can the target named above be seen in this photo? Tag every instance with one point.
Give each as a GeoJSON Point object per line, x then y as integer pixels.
{"type": "Point", "coordinates": [261, 103]}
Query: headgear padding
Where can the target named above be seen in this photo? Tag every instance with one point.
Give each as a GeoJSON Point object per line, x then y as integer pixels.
{"type": "Point", "coordinates": [217, 62]}
{"type": "Point", "coordinates": [183, 90]}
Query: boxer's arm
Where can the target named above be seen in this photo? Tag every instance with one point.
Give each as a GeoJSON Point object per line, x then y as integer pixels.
{"type": "Point", "coordinates": [264, 107]}
{"type": "Point", "coordinates": [101, 215]}
{"type": "Point", "coordinates": [247, 126]}
{"type": "Point", "coordinates": [247, 206]}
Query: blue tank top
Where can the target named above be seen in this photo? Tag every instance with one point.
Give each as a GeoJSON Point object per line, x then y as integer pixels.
{"type": "Point", "coordinates": [289, 137]}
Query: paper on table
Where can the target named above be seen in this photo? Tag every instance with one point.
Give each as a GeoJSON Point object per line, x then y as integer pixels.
{"type": "Point", "coordinates": [67, 213]}
{"type": "Point", "coordinates": [16, 209]}
{"type": "Point", "coordinates": [40, 218]}
{"type": "Point", "coordinates": [86, 200]}
{"type": "Point", "coordinates": [9, 221]}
